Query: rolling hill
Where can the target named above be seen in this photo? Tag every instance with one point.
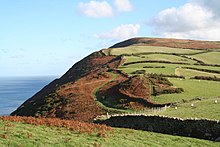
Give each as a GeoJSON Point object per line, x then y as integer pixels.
{"type": "Point", "coordinates": [168, 86]}
{"type": "Point", "coordinates": [136, 75]}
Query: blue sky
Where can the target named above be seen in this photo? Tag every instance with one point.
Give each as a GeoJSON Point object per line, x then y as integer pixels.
{"type": "Point", "coordinates": [46, 37]}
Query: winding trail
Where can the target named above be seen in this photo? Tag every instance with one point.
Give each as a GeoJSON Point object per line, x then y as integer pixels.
{"type": "Point", "coordinates": [118, 111]}
{"type": "Point", "coordinates": [98, 98]}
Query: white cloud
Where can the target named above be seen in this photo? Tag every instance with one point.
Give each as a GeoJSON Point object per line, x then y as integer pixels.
{"type": "Point", "coordinates": [102, 9]}
{"type": "Point", "coordinates": [97, 9]}
{"type": "Point", "coordinates": [194, 20]}
{"type": "Point", "coordinates": [123, 5]}
{"type": "Point", "coordinates": [212, 5]}
{"type": "Point", "coordinates": [121, 32]}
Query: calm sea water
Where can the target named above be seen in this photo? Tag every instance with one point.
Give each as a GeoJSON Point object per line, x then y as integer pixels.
{"type": "Point", "coordinates": [15, 90]}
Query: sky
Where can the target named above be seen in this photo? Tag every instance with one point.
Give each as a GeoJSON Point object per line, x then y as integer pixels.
{"type": "Point", "coordinates": [46, 37]}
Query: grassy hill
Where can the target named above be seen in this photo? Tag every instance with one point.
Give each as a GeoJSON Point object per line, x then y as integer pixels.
{"type": "Point", "coordinates": [181, 62]}
{"type": "Point", "coordinates": [139, 75]}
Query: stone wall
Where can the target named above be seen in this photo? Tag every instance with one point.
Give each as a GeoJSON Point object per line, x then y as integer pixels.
{"type": "Point", "coordinates": [197, 128]}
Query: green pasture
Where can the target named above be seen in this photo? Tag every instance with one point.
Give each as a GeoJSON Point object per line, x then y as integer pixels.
{"type": "Point", "coordinates": [204, 108]}
{"type": "Point", "coordinates": [19, 134]}
{"type": "Point", "coordinates": [192, 89]}
{"type": "Point", "coordinates": [210, 90]}
{"type": "Point", "coordinates": [192, 73]}
{"type": "Point", "coordinates": [209, 58]}
{"type": "Point", "coordinates": [160, 57]}
{"type": "Point", "coordinates": [169, 68]}
{"type": "Point", "coordinates": [150, 49]}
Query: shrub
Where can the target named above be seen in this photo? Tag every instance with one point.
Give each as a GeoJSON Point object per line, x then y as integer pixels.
{"type": "Point", "coordinates": [138, 72]}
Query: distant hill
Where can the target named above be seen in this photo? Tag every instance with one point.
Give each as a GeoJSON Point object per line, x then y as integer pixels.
{"type": "Point", "coordinates": [139, 74]}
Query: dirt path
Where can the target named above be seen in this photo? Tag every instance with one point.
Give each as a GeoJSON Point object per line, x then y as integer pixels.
{"type": "Point", "coordinates": [177, 72]}
{"type": "Point", "coordinates": [98, 98]}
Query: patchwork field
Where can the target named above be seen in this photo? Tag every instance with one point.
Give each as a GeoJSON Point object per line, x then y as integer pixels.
{"type": "Point", "coordinates": [187, 63]}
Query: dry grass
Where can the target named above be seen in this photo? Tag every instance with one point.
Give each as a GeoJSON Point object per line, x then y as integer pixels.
{"type": "Point", "coordinates": [73, 125]}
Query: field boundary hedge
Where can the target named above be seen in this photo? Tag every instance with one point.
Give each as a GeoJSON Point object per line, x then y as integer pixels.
{"type": "Point", "coordinates": [203, 70]}
{"type": "Point", "coordinates": [206, 78]}
{"type": "Point", "coordinates": [155, 61]}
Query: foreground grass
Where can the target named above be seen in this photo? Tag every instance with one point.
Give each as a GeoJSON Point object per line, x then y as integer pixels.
{"type": "Point", "coordinates": [15, 134]}
{"type": "Point", "coordinates": [20, 134]}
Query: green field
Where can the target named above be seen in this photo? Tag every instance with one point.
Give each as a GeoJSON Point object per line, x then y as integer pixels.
{"type": "Point", "coordinates": [162, 57]}
{"type": "Point", "coordinates": [204, 108]}
{"type": "Point", "coordinates": [170, 69]}
{"type": "Point", "coordinates": [208, 91]}
{"type": "Point", "coordinates": [150, 49]}
{"type": "Point", "coordinates": [210, 58]}
{"type": "Point", "coordinates": [191, 73]}
{"type": "Point", "coordinates": [19, 134]}
{"type": "Point", "coordinates": [192, 89]}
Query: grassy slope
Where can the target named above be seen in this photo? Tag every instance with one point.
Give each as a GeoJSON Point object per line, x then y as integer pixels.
{"type": "Point", "coordinates": [19, 134]}
{"type": "Point", "coordinates": [163, 57]}
{"type": "Point", "coordinates": [193, 88]}
{"type": "Point", "coordinates": [191, 73]}
{"type": "Point", "coordinates": [210, 58]}
{"type": "Point", "coordinates": [201, 109]}
{"type": "Point", "coordinates": [150, 49]}
{"type": "Point", "coordinates": [169, 69]}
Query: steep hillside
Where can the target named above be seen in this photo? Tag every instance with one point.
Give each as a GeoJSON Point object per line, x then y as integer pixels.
{"type": "Point", "coordinates": [139, 74]}
{"type": "Point", "coordinates": [71, 96]}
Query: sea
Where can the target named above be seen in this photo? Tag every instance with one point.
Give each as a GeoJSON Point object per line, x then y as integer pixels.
{"type": "Point", "coordinates": [16, 90]}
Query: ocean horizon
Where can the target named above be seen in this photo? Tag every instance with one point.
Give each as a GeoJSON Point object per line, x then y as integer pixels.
{"type": "Point", "coordinates": [16, 90]}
